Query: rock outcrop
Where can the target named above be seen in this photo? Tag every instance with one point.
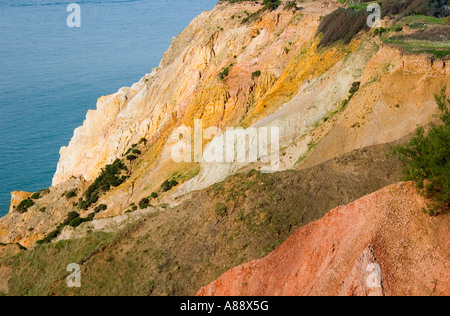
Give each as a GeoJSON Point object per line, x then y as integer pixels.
{"type": "Point", "coordinates": [17, 197]}
{"type": "Point", "coordinates": [382, 244]}
{"type": "Point", "coordinates": [48, 211]}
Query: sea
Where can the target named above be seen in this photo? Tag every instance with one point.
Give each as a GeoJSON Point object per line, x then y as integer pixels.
{"type": "Point", "coordinates": [52, 74]}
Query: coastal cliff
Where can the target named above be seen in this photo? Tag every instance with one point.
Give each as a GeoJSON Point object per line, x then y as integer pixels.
{"type": "Point", "coordinates": [339, 109]}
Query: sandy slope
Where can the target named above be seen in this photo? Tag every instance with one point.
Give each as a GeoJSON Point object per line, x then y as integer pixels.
{"type": "Point", "coordinates": [336, 255]}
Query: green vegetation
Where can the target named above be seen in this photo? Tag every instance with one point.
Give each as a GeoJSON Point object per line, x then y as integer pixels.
{"type": "Point", "coordinates": [35, 271]}
{"type": "Point", "coordinates": [111, 176]}
{"type": "Point", "coordinates": [225, 72]}
{"type": "Point", "coordinates": [403, 8]}
{"type": "Point", "coordinates": [268, 4]}
{"type": "Point", "coordinates": [431, 35]}
{"type": "Point", "coordinates": [168, 185]}
{"type": "Point", "coordinates": [144, 203]}
{"type": "Point", "coordinates": [418, 21]}
{"type": "Point", "coordinates": [143, 141]}
{"type": "Point", "coordinates": [408, 43]}
{"type": "Point", "coordinates": [342, 25]}
{"type": "Point", "coordinates": [100, 208]}
{"type": "Point", "coordinates": [427, 159]}
{"type": "Point", "coordinates": [39, 194]}
{"type": "Point", "coordinates": [291, 5]}
{"type": "Point", "coordinates": [131, 157]}
{"type": "Point", "coordinates": [70, 194]}
{"type": "Point", "coordinates": [74, 220]}
{"type": "Point", "coordinates": [154, 195]}
{"type": "Point", "coordinates": [411, 45]}
{"type": "Point", "coordinates": [256, 74]}
{"type": "Point", "coordinates": [272, 4]}
{"type": "Point", "coordinates": [355, 88]}
{"type": "Point", "coordinates": [36, 196]}
{"type": "Point", "coordinates": [25, 205]}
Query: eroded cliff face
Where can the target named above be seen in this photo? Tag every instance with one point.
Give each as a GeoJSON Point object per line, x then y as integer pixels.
{"type": "Point", "coordinates": [186, 84]}
{"type": "Point", "coordinates": [277, 77]}
{"type": "Point", "coordinates": [300, 90]}
{"type": "Point", "coordinates": [46, 213]}
{"type": "Point", "coordinates": [264, 72]}
{"type": "Point", "coordinates": [379, 245]}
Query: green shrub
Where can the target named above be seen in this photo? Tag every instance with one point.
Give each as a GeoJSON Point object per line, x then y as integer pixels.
{"type": "Point", "coordinates": [76, 222]}
{"type": "Point", "coordinates": [355, 88]}
{"type": "Point", "coordinates": [154, 195]}
{"type": "Point", "coordinates": [291, 5]}
{"type": "Point", "coordinates": [25, 205]}
{"type": "Point", "coordinates": [144, 203]}
{"type": "Point", "coordinates": [427, 159]}
{"type": "Point", "coordinates": [49, 237]}
{"type": "Point", "coordinates": [272, 4]}
{"type": "Point", "coordinates": [111, 176]}
{"type": "Point", "coordinates": [256, 74]}
{"type": "Point", "coordinates": [168, 185]}
{"type": "Point", "coordinates": [225, 72]}
{"type": "Point", "coordinates": [70, 194]}
{"type": "Point", "coordinates": [39, 194]}
{"type": "Point", "coordinates": [71, 216]}
{"type": "Point", "coordinates": [36, 196]}
{"type": "Point", "coordinates": [101, 207]}
{"type": "Point", "coordinates": [131, 157]}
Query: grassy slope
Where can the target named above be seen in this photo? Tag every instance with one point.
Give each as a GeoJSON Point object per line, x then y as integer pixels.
{"type": "Point", "coordinates": [180, 250]}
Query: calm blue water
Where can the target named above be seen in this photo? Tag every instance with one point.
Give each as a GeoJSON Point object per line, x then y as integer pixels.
{"type": "Point", "coordinates": [50, 74]}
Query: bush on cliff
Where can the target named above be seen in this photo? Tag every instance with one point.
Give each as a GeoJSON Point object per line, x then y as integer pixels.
{"type": "Point", "coordinates": [24, 205]}
{"type": "Point", "coordinates": [111, 176]}
{"type": "Point", "coordinates": [427, 158]}
{"type": "Point", "coordinates": [272, 4]}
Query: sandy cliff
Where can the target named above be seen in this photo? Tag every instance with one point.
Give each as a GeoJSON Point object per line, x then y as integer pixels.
{"type": "Point", "coordinates": [379, 245]}
{"type": "Point", "coordinates": [237, 67]}
{"type": "Point", "coordinates": [186, 86]}
{"type": "Point", "coordinates": [300, 90]}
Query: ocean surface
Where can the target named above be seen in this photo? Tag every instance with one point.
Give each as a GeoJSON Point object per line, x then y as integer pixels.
{"type": "Point", "coordinates": [50, 74]}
